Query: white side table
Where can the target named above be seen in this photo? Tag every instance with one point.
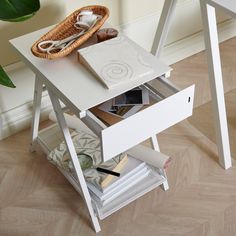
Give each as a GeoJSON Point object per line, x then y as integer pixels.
{"type": "Point", "coordinates": [215, 73]}
{"type": "Point", "coordinates": [69, 82]}
{"type": "Point", "coordinates": [214, 64]}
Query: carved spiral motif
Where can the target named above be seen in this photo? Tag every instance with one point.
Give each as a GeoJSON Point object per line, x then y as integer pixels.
{"type": "Point", "coordinates": [116, 71]}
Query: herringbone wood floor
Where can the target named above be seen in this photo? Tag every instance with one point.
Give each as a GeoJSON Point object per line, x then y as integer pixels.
{"type": "Point", "coordinates": [35, 199]}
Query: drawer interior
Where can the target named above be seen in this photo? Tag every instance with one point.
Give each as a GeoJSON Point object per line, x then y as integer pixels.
{"type": "Point", "coordinates": [168, 106]}
{"type": "Point", "coordinates": [157, 90]}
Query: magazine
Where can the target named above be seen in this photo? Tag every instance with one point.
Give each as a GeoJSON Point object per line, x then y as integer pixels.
{"type": "Point", "coordinates": [88, 151]}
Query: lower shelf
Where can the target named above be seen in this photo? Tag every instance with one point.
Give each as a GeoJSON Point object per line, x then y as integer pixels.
{"type": "Point", "coordinates": [51, 137]}
{"type": "Point", "coordinates": [147, 184]}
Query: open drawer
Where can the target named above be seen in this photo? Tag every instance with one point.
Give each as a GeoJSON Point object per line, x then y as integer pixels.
{"type": "Point", "coordinates": [171, 106]}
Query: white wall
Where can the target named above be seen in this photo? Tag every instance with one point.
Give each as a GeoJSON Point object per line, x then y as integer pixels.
{"type": "Point", "coordinates": [138, 19]}
{"type": "Point", "coordinates": [122, 12]}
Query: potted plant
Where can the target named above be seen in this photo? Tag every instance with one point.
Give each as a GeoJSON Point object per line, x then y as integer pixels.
{"type": "Point", "coordinates": [15, 11]}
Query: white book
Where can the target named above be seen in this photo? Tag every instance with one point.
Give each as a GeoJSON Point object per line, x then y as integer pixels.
{"type": "Point", "coordinates": [116, 194]}
{"type": "Point", "coordinates": [127, 183]}
{"type": "Point", "coordinates": [116, 61]}
{"type": "Point", "coordinates": [132, 166]}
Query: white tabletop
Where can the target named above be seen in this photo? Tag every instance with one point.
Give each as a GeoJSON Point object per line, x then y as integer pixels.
{"type": "Point", "coordinates": [228, 6]}
{"type": "Point", "coordinates": [70, 80]}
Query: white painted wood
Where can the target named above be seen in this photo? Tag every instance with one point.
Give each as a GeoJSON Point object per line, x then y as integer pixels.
{"type": "Point", "coordinates": [194, 44]}
{"type": "Point", "coordinates": [93, 125]}
{"type": "Point", "coordinates": [146, 123]}
{"type": "Point", "coordinates": [155, 143]}
{"type": "Point", "coordinates": [15, 108]}
{"type": "Point", "coordinates": [152, 181]}
{"type": "Point", "coordinates": [76, 98]}
{"type": "Point", "coordinates": [228, 6]}
{"type": "Point", "coordinates": [81, 82]}
{"type": "Point", "coordinates": [216, 83]}
{"type": "Point", "coordinates": [20, 118]}
{"type": "Point", "coordinates": [94, 118]}
{"type": "Point", "coordinates": [74, 159]}
{"type": "Point", "coordinates": [72, 122]}
{"type": "Point", "coordinates": [17, 115]}
{"type": "Point", "coordinates": [49, 138]}
{"type": "Point", "coordinates": [211, 41]}
{"type": "Point", "coordinates": [163, 27]}
{"type": "Point", "coordinates": [168, 83]}
{"type": "Point", "coordinates": [165, 184]}
{"type": "Point", "coordinates": [36, 112]}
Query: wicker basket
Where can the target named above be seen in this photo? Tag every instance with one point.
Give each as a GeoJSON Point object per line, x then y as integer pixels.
{"type": "Point", "coordinates": [66, 28]}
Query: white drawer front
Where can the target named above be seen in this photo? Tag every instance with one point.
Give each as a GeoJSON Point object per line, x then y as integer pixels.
{"type": "Point", "coordinates": [150, 121]}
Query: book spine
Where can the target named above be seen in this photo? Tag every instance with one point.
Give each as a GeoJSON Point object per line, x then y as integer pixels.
{"type": "Point", "coordinates": [123, 190]}
{"type": "Point", "coordinates": [128, 175]}
{"type": "Point", "coordinates": [125, 183]}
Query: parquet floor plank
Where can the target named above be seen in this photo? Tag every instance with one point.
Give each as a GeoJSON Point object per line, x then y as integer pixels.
{"type": "Point", "coordinates": [35, 199]}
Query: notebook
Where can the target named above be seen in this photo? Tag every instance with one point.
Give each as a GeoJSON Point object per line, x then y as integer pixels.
{"type": "Point", "coordinates": [116, 61]}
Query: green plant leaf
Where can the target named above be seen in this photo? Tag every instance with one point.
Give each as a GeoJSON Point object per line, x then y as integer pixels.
{"type": "Point", "coordinates": [18, 10]}
{"type": "Point", "coordinates": [4, 79]}
{"type": "Point", "coordinates": [22, 18]}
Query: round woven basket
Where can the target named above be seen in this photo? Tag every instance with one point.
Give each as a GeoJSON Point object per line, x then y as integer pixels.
{"type": "Point", "coordinates": [66, 28]}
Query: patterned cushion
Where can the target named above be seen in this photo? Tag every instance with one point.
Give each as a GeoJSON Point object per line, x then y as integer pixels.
{"type": "Point", "coordinates": [88, 151]}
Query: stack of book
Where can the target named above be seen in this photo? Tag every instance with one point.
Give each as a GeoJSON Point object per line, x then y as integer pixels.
{"type": "Point", "coordinates": [104, 186]}
{"type": "Point", "coordinates": [131, 174]}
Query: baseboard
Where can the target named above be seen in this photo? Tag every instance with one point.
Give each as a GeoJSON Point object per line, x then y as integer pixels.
{"type": "Point", "coordinates": [177, 50]}
{"type": "Point", "coordinates": [194, 44]}
{"type": "Point", "coordinates": [19, 118]}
